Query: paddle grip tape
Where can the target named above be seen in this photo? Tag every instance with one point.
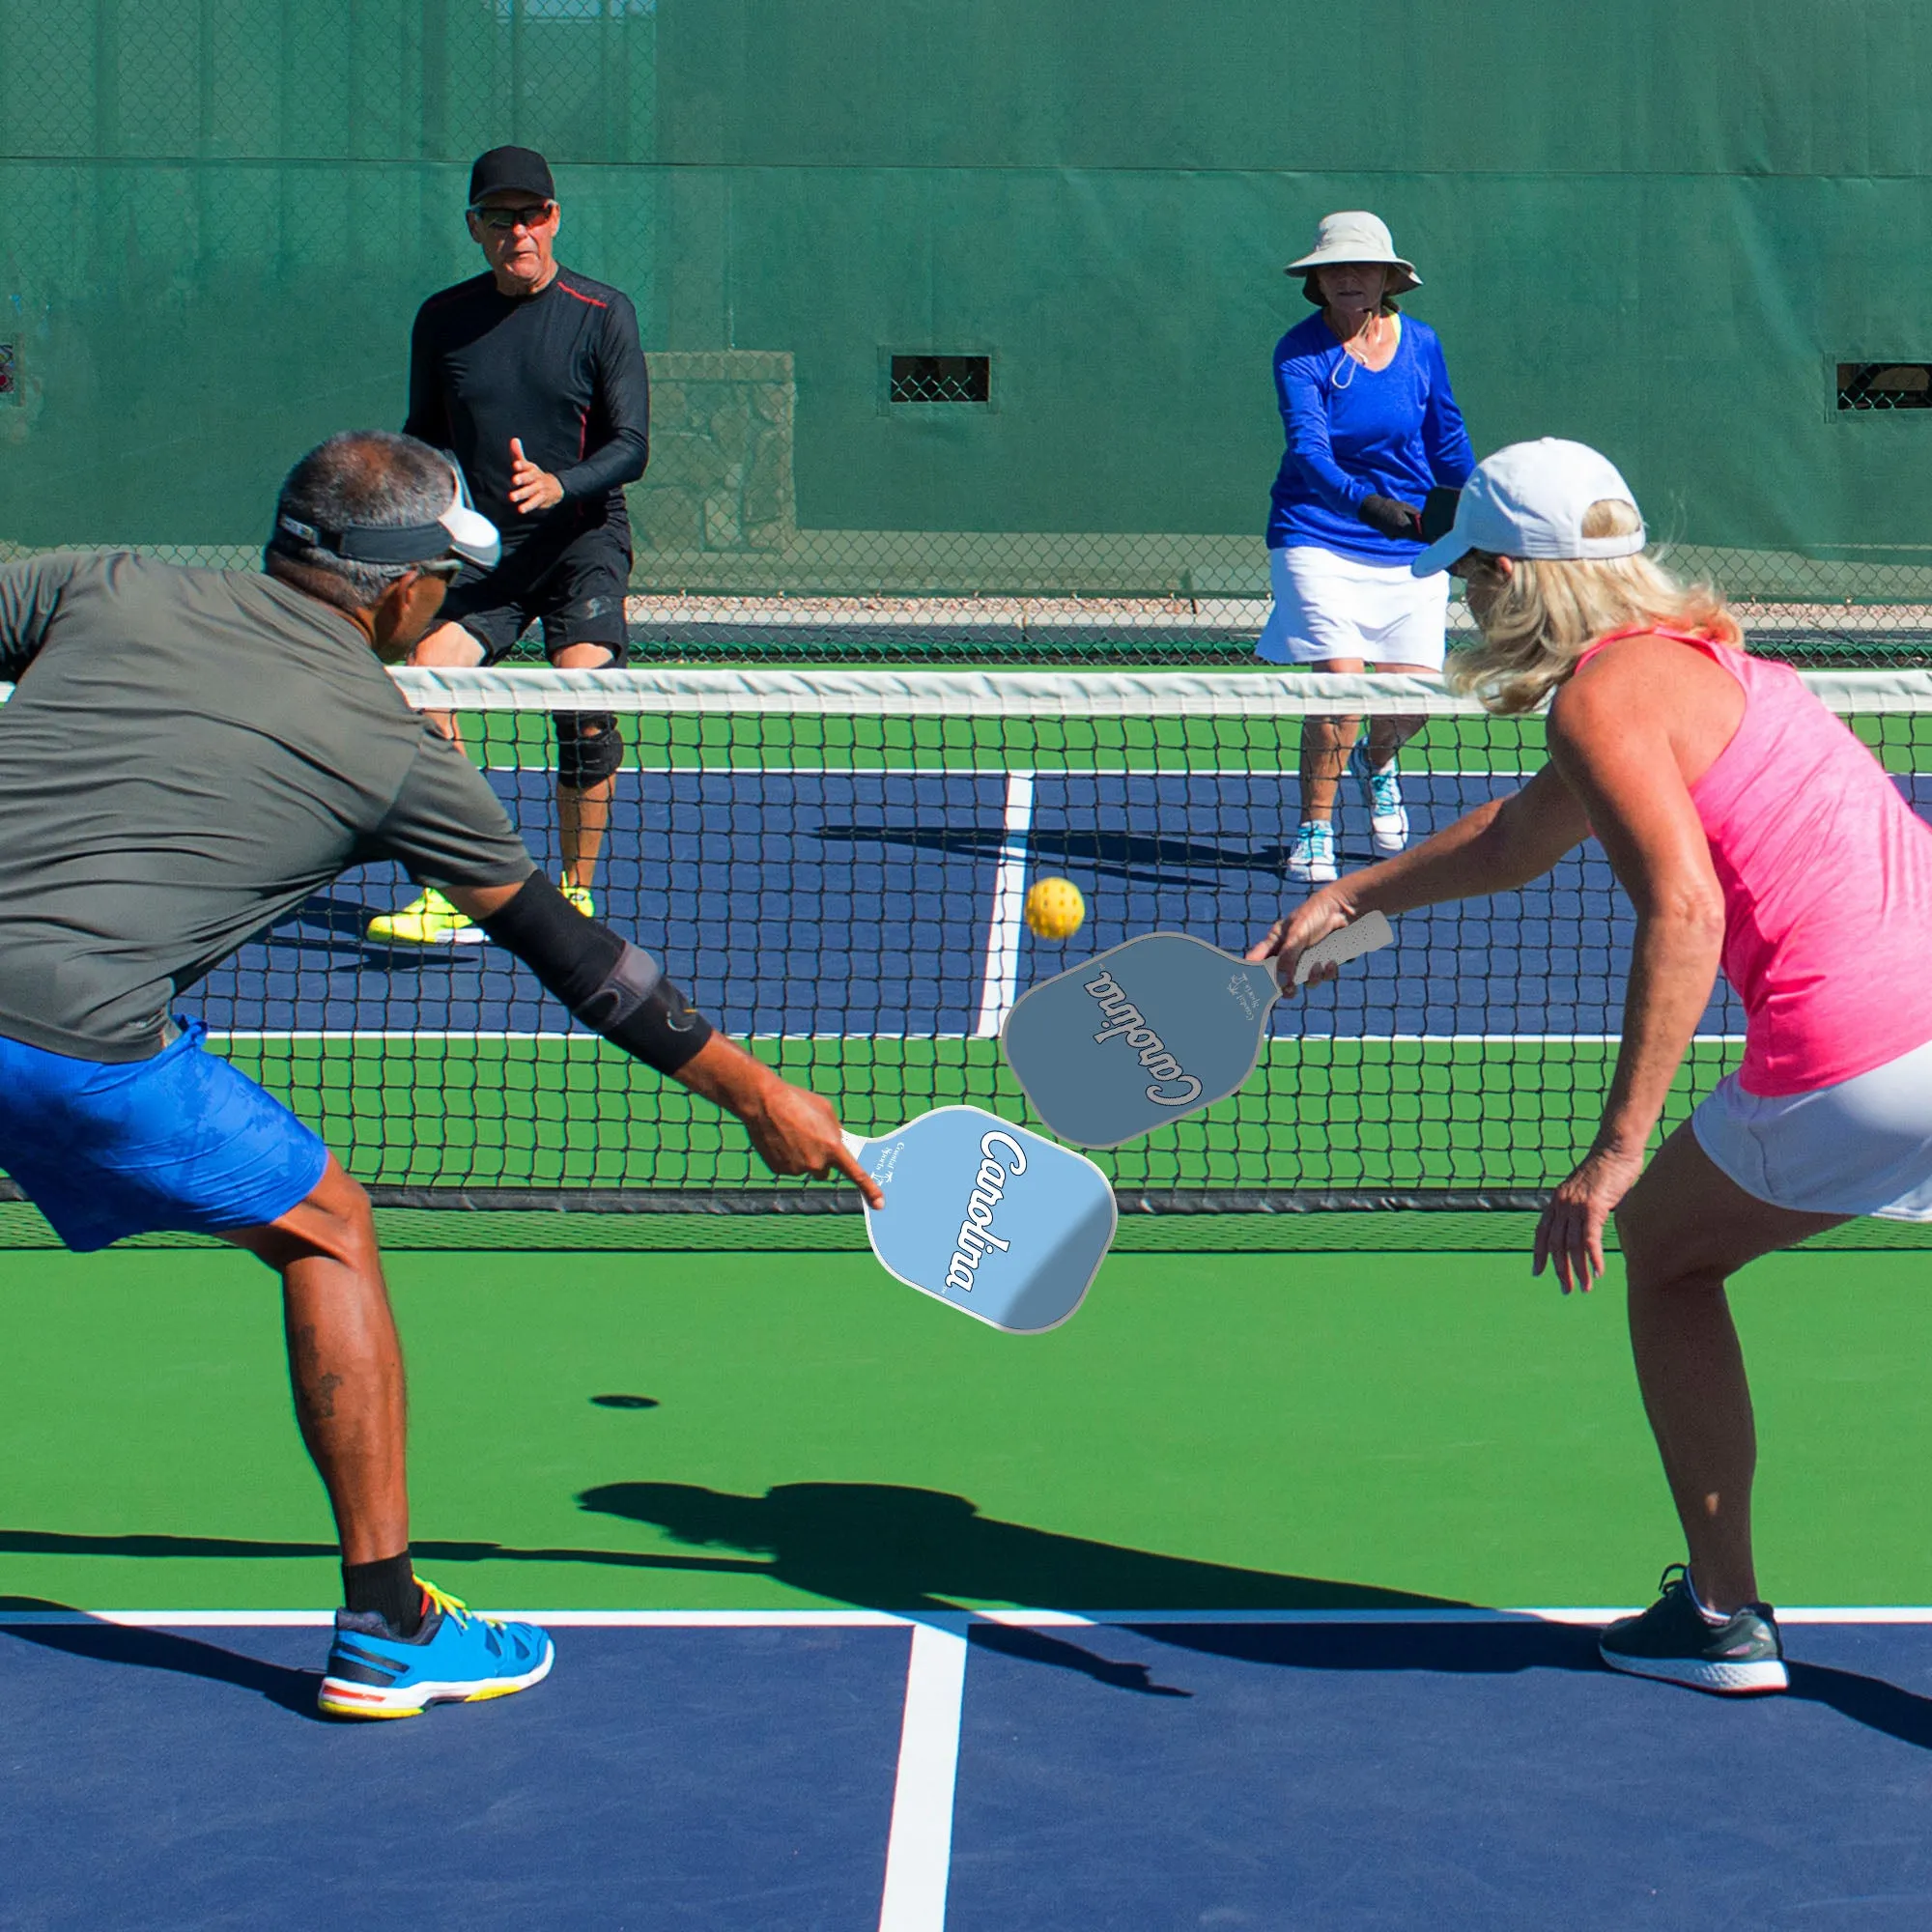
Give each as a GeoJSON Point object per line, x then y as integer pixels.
{"type": "Point", "coordinates": [590, 747]}
{"type": "Point", "coordinates": [614, 988]}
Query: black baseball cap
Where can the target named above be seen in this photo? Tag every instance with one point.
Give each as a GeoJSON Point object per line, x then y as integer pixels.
{"type": "Point", "coordinates": [511, 168]}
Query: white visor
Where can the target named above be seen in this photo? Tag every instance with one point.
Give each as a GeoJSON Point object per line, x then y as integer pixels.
{"type": "Point", "coordinates": [472, 536]}
{"type": "Point", "coordinates": [1530, 501]}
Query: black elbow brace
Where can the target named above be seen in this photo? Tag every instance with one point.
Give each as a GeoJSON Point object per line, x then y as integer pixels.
{"type": "Point", "coordinates": [614, 988]}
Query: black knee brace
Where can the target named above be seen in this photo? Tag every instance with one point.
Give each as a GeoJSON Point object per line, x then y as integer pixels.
{"type": "Point", "coordinates": [590, 747]}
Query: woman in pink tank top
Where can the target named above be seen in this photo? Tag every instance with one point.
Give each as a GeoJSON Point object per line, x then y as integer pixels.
{"type": "Point", "coordinates": [1753, 832]}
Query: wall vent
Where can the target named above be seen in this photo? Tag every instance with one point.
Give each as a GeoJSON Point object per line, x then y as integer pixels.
{"type": "Point", "coordinates": [941, 379]}
{"type": "Point", "coordinates": [1885, 386]}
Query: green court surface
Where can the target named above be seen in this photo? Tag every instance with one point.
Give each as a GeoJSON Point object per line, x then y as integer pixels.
{"type": "Point", "coordinates": [810, 739]}
{"type": "Point", "coordinates": [828, 740]}
{"type": "Point", "coordinates": [1215, 1429]}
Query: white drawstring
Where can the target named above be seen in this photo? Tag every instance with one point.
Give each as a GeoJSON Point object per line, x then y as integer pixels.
{"type": "Point", "coordinates": [1334, 374]}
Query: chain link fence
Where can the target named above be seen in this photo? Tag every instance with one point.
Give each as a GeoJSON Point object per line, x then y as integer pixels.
{"type": "Point", "coordinates": [319, 81]}
{"type": "Point", "coordinates": [1885, 386]}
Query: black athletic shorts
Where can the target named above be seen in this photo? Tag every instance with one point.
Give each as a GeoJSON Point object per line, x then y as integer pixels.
{"type": "Point", "coordinates": [574, 588]}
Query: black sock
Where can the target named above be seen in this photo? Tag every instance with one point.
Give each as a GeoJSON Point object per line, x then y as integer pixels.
{"type": "Point", "coordinates": [389, 1588]}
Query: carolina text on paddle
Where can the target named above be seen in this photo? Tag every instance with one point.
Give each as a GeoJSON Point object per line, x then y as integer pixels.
{"type": "Point", "coordinates": [1125, 1023]}
{"type": "Point", "coordinates": [976, 1232]}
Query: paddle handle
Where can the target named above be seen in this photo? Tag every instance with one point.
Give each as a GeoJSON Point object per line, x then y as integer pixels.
{"type": "Point", "coordinates": [1368, 934]}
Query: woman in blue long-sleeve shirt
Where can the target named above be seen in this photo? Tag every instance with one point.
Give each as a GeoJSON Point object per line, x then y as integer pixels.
{"type": "Point", "coordinates": [1372, 428]}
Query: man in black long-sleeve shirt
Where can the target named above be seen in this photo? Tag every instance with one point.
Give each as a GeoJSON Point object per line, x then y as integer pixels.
{"type": "Point", "coordinates": [533, 377]}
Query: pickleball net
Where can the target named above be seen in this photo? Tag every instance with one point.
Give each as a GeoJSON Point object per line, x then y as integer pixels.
{"type": "Point", "coordinates": [834, 862]}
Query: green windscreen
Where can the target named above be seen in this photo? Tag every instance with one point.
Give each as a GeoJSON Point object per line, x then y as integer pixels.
{"type": "Point", "coordinates": [1684, 235]}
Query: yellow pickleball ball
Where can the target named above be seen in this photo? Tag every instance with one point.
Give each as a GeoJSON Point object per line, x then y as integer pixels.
{"type": "Point", "coordinates": [1055, 909]}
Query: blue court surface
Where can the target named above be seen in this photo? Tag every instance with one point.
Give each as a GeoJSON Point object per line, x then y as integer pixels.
{"type": "Point", "coordinates": [817, 1772]}
{"type": "Point", "coordinates": [868, 903]}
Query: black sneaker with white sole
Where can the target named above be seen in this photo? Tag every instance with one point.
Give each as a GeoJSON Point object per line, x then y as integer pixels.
{"type": "Point", "coordinates": [1744, 1655]}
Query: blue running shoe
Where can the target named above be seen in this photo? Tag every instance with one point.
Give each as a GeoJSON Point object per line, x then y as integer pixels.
{"type": "Point", "coordinates": [456, 1657]}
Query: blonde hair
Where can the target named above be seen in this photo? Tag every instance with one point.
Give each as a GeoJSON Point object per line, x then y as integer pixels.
{"type": "Point", "coordinates": [1548, 611]}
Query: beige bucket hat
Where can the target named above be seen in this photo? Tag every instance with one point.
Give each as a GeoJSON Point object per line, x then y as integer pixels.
{"type": "Point", "coordinates": [1356, 236]}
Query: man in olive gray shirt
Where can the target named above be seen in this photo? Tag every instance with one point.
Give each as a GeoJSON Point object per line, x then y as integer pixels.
{"type": "Point", "coordinates": [189, 756]}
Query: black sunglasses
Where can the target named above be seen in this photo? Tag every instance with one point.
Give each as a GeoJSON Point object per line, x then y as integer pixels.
{"type": "Point", "coordinates": [533, 214]}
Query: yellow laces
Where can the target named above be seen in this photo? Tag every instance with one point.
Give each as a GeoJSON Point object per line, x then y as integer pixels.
{"type": "Point", "coordinates": [450, 1606]}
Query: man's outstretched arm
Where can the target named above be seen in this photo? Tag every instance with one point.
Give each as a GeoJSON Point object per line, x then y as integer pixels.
{"type": "Point", "coordinates": [620, 990]}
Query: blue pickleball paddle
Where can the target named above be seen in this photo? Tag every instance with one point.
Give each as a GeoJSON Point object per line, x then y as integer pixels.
{"type": "Point", "coordinates": [1152, 1031]}
{"type": "Point", "coordinates": [995, 1221]}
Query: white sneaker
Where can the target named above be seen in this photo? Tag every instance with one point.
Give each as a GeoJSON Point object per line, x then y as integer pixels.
{"type": "Point", "coordinates": [1312, 856]}
{"type": "Point", "coordinates": [1381, 793]}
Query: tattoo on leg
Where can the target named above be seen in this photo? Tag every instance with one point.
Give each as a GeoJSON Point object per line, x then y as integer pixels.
{"type": "Point", "coordinates": [315, 1389]}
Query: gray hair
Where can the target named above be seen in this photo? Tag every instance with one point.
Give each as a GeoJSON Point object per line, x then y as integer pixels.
{"type": "Point", "coordinates": [367, 477]}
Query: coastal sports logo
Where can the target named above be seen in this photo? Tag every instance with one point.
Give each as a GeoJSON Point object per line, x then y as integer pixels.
{"type": "Point", "coordinates": [989, 1187]}
{"type": "Point", "coordinates": [1168, 1085]}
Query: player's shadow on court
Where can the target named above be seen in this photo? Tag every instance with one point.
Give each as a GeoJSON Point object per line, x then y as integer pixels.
{"type": "Point", "coordinates": [885, 1547]}
{"type": "Point", "coordinates": [882, 1546]}
{"type": "Point", "coordinates": [99, 1642]}
{"type": "Point", "coordinates": [1142, 860]}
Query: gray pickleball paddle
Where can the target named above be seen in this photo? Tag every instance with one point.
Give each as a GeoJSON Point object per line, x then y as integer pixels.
{"type": "Point", "coordinates": [1152, 1031]}
{"type": "Point", "coordinates": [993, 1220]}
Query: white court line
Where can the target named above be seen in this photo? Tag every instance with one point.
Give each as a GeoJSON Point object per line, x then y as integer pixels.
{"type": "Point", "coordinates": [1002, 930]}
{"type": "Point", "coordinates": [1832, 1613]}
{"type": "Point", "coordinates": [919, 1850]}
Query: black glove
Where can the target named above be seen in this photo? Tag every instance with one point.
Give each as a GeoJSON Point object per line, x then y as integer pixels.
{"type": "Point", "coordinates": [1391, 516]}
{"type": "Point", "coordinates": [1438, 513]}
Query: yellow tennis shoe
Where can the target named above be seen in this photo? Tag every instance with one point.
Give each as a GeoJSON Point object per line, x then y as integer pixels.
{"type": "Point", "coordinates": [579, 897]}
{"type": "Point", "coordinates": [428, 919]}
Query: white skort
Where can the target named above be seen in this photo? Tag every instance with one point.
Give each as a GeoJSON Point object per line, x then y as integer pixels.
{"type": "Point", "coordinates": [1327, 606]}
{"type": "Point", "coordinates": [1862, 1147]}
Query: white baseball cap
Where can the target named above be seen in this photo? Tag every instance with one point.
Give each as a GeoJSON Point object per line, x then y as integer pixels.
{"type": "Point", "coordinates": [1354, 235]}
{"type": "Point", "coordinates": [1530, 499]}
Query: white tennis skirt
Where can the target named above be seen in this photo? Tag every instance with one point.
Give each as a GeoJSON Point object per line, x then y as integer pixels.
{"type": "Point", "coordinates": [1328, 605]}
{"type": "Point", "coordinates": [1861, 1147]}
